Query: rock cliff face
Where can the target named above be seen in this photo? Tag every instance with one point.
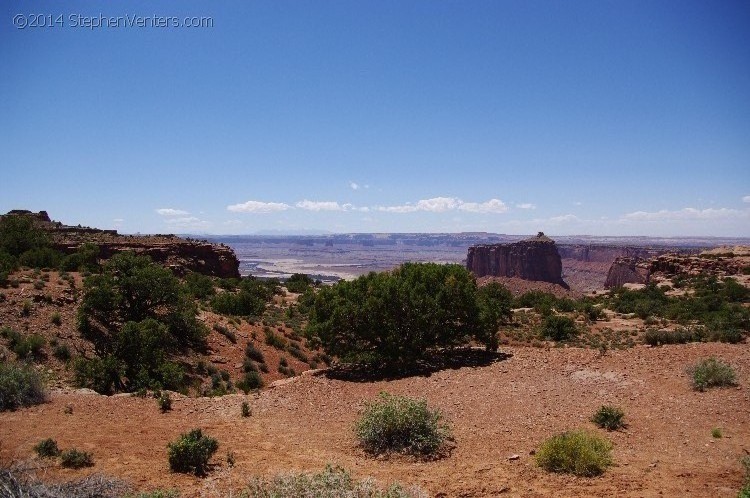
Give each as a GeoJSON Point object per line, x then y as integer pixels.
{"type": "Point", "coordinates": [627, 271]}
{"type": "Point", "coordinates": [531, 259]}
{"type": "Point", "coordinates": [605, 253]}
{"type": "Point", "coordinates": [180, 255]}
{"type": "Point", "coordinates": [665, 266]}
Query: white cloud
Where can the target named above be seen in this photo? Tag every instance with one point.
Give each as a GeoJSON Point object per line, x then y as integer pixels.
{"type": "Point", "coordinates": [187, 222]}
{"type": "Point", "coordinates": [171, 212]}
{"type": "Point", "coordinates": [444, 204]}
{"type": "Point", "coordinates": [746, 198]}
{"type": "Point", "coordinates": [491, 206]}
{"type": "Point", "coordinates": [354, 185]}
{"type": "Point", "coordinates": [320, 205]}
{"type": "Point", "coordinates": [565, 218]}
{"type": "Point", "coordinates": [258, 207]}
{"type": "Point", "coordinates": [438, 204]}
{"type": "Point", "coordinates": [526, 205]}
{"type": "Point", "coordinates": [686, 214]}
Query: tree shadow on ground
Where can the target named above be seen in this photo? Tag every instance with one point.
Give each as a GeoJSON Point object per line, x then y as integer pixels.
{"type": "Point", "coordinates": [433, 362]}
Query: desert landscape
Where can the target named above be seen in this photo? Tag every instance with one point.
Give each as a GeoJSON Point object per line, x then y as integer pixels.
{"type": "Point", "coordinates": [299, 416]}
{"type": "Point", "coordinates": [374, 249]}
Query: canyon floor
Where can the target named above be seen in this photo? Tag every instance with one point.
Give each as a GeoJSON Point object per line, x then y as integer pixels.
{"type": "Point", "coordinates": [498, 410]}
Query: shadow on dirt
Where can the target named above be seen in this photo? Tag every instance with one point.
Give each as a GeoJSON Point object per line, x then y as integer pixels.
{"type": "Point", "coordinates": [434, 362]}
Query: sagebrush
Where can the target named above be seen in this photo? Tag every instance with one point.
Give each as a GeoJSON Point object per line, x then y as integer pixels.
{"type": "Point", "coordinates": [403, 425]}
{"type": "Point", "coordinates": [575, 452]}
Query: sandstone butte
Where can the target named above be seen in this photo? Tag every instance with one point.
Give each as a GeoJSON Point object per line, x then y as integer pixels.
{"type": "Point", "coordinates": [535, 258]}
{"type": "Point", "coordinates": [179, 254]}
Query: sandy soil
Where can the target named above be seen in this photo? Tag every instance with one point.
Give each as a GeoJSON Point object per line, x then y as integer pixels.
{"type": "Point", "coordinates": [498, 410]}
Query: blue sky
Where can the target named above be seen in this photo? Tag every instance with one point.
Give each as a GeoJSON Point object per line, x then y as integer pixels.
{"type": "Point", "coordinates": [585, 117]}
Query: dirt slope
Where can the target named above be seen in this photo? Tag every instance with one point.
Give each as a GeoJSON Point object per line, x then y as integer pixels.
{"type": "Point", "coordinates": [499, 410]}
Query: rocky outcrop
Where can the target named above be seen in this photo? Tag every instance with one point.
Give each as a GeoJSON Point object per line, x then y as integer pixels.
{"type": "Point", "coordinates": [177, 253]}
{"type": "Point", "coordinates": [627, 271]}
{"type": "Point", "coordinates": [180, 255]}
{"type": "Point", "coordinates": [535, 258]}
{"type": "Point", "coordinates": [666, 266]}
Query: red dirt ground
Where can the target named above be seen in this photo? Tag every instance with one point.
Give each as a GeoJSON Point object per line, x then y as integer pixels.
{"type": "Point", "coordinates": [496, 411]}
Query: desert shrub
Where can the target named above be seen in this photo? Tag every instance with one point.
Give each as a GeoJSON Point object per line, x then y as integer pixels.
{"type": "Point", "coordinates": [254, 353]}
{"type": "Point", "coordinates": [47, 448]}
{"type": "Point", "coordinates": [103, 375]}
{"type": "Point", "coordinates": [159, 493]}
{"type": "Point", "coordinates": [223, 330]}
{"type": "Point", "coordinates": [712, 372]}
{"type": "Point", "coordinates": [164, 401]}
{"type": "Point", "coordinates": [41, 257]}
{"type": "Point", "coordinates": [558, 328]}
{"type": "Point", "coordinates": [575, 452]}
{"type": "Point", "coordinates": [331, 482]}
{"type": "Point", "coordinates": [56, 318]}
{"type": "Point", "coordinates": [245, 410]}
{"type": "Point", "coordinates": [61, 352]}
{"type": "Point", "coordinates": [251, 380]}
{"type": "Point", "coordinates": [85, 258]}
{"type": "Point", "coordinates": [745, 491]}
{"type": "Point", "coordinates": [20, 386]}
{"type": "Point", "coordinates": [401, 424]}
{"type": "Point", "coordinates": [298, 283]}
{"type": "Point", "coordinates": [26, 308]}
{"type": "Point", "coordinates": [394, 318]}
{"type": "Point", "coordinates": [39, 285]}
{"type": "Point", "coordinates": [249, 300]}
{"type": "Point", "coordinates": [295, 351]}
{"type": "Point", "coordinates": [75, 459]}
{"type": "Point", "coordinates": [275, 340]}
{"type": "Point", "coordinates": [199, 286]}
{"type": "Point", "coordinates": [654, 337]}
{"type": "Point", "coordinates": [609, 417]}
{"type": "Point", "coordinates": [716, 433]}
{"type": "Point", "coordinates": [190, 452]}
{"type": "Point", "coordinates": [19, 234]}
{"type": "Point", "coordinates": [24, 346]}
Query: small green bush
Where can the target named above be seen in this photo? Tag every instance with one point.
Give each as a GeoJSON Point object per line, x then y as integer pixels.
{"type": "Point", "coordinates": [558, 328]}
{"type": "Point", "coordinates": [609, 417]}
{"type": "Point", "coordinates": [333, 482]}
{"type": "Point", "coordinates": [56, 318]}
{"type": "Point", "coordinates": [274, 340]}
{"type": "Point", "coordinates": [245, 409]}
{"type": "Point", "coordinates": [20, 386]}
{"type": "Point", "coordinates": [47, 448]}
{"type": "Point", "coordinates": [745, 491]}
{"type": "Point", "coordinates": [223, 330]}
{"type": "Point", "coordinates": [62, 352]}
{"type": "Point", "coordinates": [716, 433]}
{"type": "Point", "coordinates": [401, 424]}
{"type": "Point", "coordinates": [190, 452]}
{"type": "Point", "coordinates": [575, 452]}
{"type": "Point", "coordinates": [250, 381]}
{"type": "Point", "coordinates": [254, 353]}
{"type": "Point", "coordinates": [712, 372]}
{"type": "Point", "coordinates": [654, 337]}
{"type": "Point", "coordinates": [159, 493]}
{"type": "Point", "coordinates": [74, 459]}
{"type": "Point", "coordinates": [164, 401]}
